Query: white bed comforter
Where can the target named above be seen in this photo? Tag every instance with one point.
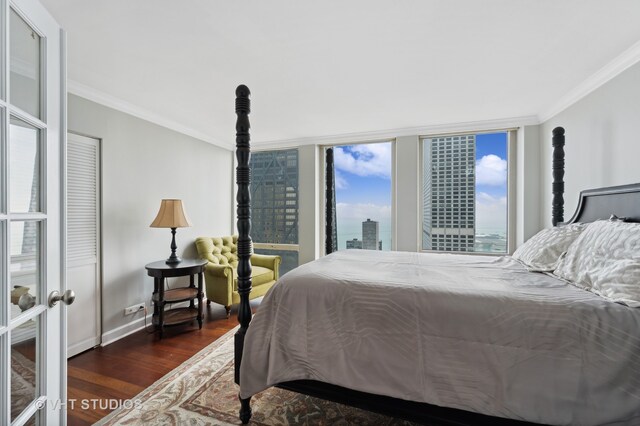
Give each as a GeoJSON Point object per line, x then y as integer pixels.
{"type": "Point", "coordinates": [470, 332]}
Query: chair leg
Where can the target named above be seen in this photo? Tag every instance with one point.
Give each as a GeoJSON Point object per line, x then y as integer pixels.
{"type": "Point", "coordinates": [228, 308]}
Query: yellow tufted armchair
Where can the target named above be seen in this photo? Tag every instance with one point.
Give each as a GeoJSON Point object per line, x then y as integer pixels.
{"type": "Point", "coordinates": [221, 275]}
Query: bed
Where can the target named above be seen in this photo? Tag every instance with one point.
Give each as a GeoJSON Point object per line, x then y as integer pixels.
{"type": "Point", "coordinates": [457, 340]}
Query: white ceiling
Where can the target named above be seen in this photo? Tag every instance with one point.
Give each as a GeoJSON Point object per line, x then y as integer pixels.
{"type": "Point", "coordinates": [331, 67]}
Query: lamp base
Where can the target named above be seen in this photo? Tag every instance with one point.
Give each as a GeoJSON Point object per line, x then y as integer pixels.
{"type": "Point", "coordinates": [173, 259]}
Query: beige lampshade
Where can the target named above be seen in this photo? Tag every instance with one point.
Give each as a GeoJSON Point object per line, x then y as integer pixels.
{"type": "Point", "coordinates": [171, 215]}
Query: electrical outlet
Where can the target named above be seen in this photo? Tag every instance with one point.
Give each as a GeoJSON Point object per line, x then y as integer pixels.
{"type": "Point", "coordinates": [133, 309]}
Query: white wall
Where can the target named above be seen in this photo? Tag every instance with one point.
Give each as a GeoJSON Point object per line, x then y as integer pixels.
{"type": "Point", "coordinates": [309, 213]}
{"type": "Point", "coordinates": [602, 141]}
{"type": "Point", "coordinates": [408, 182]}
{"type": "Point", "coordinates": [528, 177]}
{"type": "Point", "coordinates": [141, 164]}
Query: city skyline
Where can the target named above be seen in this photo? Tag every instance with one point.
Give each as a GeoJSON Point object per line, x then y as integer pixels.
{"type": "Point", "coordinates": [363, 190]}
{"type": "Point", "coordinates": [363, 187]}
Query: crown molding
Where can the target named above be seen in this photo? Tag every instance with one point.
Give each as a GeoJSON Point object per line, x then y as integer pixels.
{"type": "Point", "coordinates": [619, 64]}
{"type": "Point", "coordinates": [347, 138]}
{"type": "Point", "coordinates": [626, 59]}
{"type": "Point", "coordinates": [111, 101]}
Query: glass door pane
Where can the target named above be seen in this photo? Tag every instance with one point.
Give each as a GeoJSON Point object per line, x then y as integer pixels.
{"type": "Point", "coordinates": [24, 151]}
{"type": "Point", "coordinates": [25, 268]}
{"type": "Point", "coordinates": [25, 66]}
{"type": "Point", "coordinates": [24, 366]}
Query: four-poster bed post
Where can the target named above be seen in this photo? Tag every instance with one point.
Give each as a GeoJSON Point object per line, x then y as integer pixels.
{"type": "Point", "coordinates": [243, 180]}
{"type": "Point", "coordinates": [557, 167]}
{"type": "Point", "coordinates": [331, 238]}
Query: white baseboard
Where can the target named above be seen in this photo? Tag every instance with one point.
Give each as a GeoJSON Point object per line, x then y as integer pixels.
{"type": "Point", "coordinates": [135, 325]}
{"type": "Point", "coordinates": [82, 346]}
{"type": "Point", "coordinates": [122, 331]}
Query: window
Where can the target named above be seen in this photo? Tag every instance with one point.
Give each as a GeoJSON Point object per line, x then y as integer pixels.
{"type": "Point", "coordinates": [274, 205]}
{"type": "Point", "coordinates": [464, 180]}
{"type": "Point", "coordinates": [363, 196]}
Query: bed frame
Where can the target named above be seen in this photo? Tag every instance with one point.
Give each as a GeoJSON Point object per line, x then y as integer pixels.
{"type": "Point", "coordinates": [623, 201]}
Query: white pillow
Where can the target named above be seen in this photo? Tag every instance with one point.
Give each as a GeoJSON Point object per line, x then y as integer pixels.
{"type": "Point", "coordinates": [605, 259]}
{"type": "Point", "coordinates": [542, 252]}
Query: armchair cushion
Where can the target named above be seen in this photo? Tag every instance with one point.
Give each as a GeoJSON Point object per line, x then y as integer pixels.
{"type": "Point", "coordinates": [259, 275]}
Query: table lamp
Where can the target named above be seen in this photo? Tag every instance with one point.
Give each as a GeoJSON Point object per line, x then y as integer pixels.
{"type": "Point", "coordinates": [171, 215]}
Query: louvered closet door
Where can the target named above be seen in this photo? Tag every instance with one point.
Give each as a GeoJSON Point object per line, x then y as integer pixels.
{"type": "Point", "coordinates": [83, 244]}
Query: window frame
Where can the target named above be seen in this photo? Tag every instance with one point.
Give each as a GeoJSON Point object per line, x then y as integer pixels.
{"type": "Point", "coordinates": [512, 137]}
{"type": "Point", "coordinates": [321, 184]}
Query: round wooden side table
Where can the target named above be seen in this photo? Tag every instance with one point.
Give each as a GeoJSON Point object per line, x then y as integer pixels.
{"type": "Point", "coordinates": [161, 297]}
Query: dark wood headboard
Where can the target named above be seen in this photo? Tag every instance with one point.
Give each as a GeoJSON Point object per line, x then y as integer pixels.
{"type": "Point", "coordinates": [601, 203]}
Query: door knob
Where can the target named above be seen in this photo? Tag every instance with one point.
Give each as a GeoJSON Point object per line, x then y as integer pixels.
{"type": "Point", "coordinates": [67, 298]}
{"type": "Point", "coordinates": [26, 301]}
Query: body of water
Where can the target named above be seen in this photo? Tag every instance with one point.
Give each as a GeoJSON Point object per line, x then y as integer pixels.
{"type": "Point", "coordinates": [488, 240]}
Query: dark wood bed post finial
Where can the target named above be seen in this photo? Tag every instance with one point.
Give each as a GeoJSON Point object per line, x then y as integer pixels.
{"type": "Point", "coordinates": [557, 204]}
{"type": "Point", "coordinates": [243, 180]}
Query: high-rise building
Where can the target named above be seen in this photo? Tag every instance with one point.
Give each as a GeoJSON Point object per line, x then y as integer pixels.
{"type": "Point", "coordinates": [354, 244]}
{"type": "Point", "coordinates": [274, 204]}
{"type": "Point", "coordinates": [449, 193]}
{"type": "Point", "coordinates": [274, 196]}
{"type": "Point", "coordinates": [370, 235]}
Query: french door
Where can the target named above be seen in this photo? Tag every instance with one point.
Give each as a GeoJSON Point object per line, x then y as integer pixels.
{"type": "Point", "coordinates": [32, 333]}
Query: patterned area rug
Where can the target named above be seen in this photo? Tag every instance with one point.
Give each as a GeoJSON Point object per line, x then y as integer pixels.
{"type": "Point", "coordinates": [23, 383]}
{"type": "Point", "coordinates": [202, 392]}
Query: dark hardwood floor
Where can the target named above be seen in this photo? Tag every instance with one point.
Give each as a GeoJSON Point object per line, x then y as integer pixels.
{"type": "Point", "coordinates": [123, 369]}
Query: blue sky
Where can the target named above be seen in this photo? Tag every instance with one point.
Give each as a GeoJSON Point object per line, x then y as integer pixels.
{"type": "Point", "coordinates": [491, 183]}
{"type": "Point", "coordinates": [363, 190]}
{"type": "Point", "coordinates": [491, 143]}
{"type": "Point", "coordinates": [376, 190]}
{"type": "Point", "coordinates": [496, 144]}
{"type": "Point", "coordinates": [363, 186]}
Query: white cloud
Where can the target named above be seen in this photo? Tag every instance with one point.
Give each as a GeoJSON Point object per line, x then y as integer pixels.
{"type": "Point", "coordinates": [491, 170]}
{"type": "Point", "coordinates": [341, 182]}
{"type": "Point", "coordinates": [491, 212]}
{"type": "Point", "coordinates": [361, 212]}
{"type": "Point", "coordinates": [372, 159]}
